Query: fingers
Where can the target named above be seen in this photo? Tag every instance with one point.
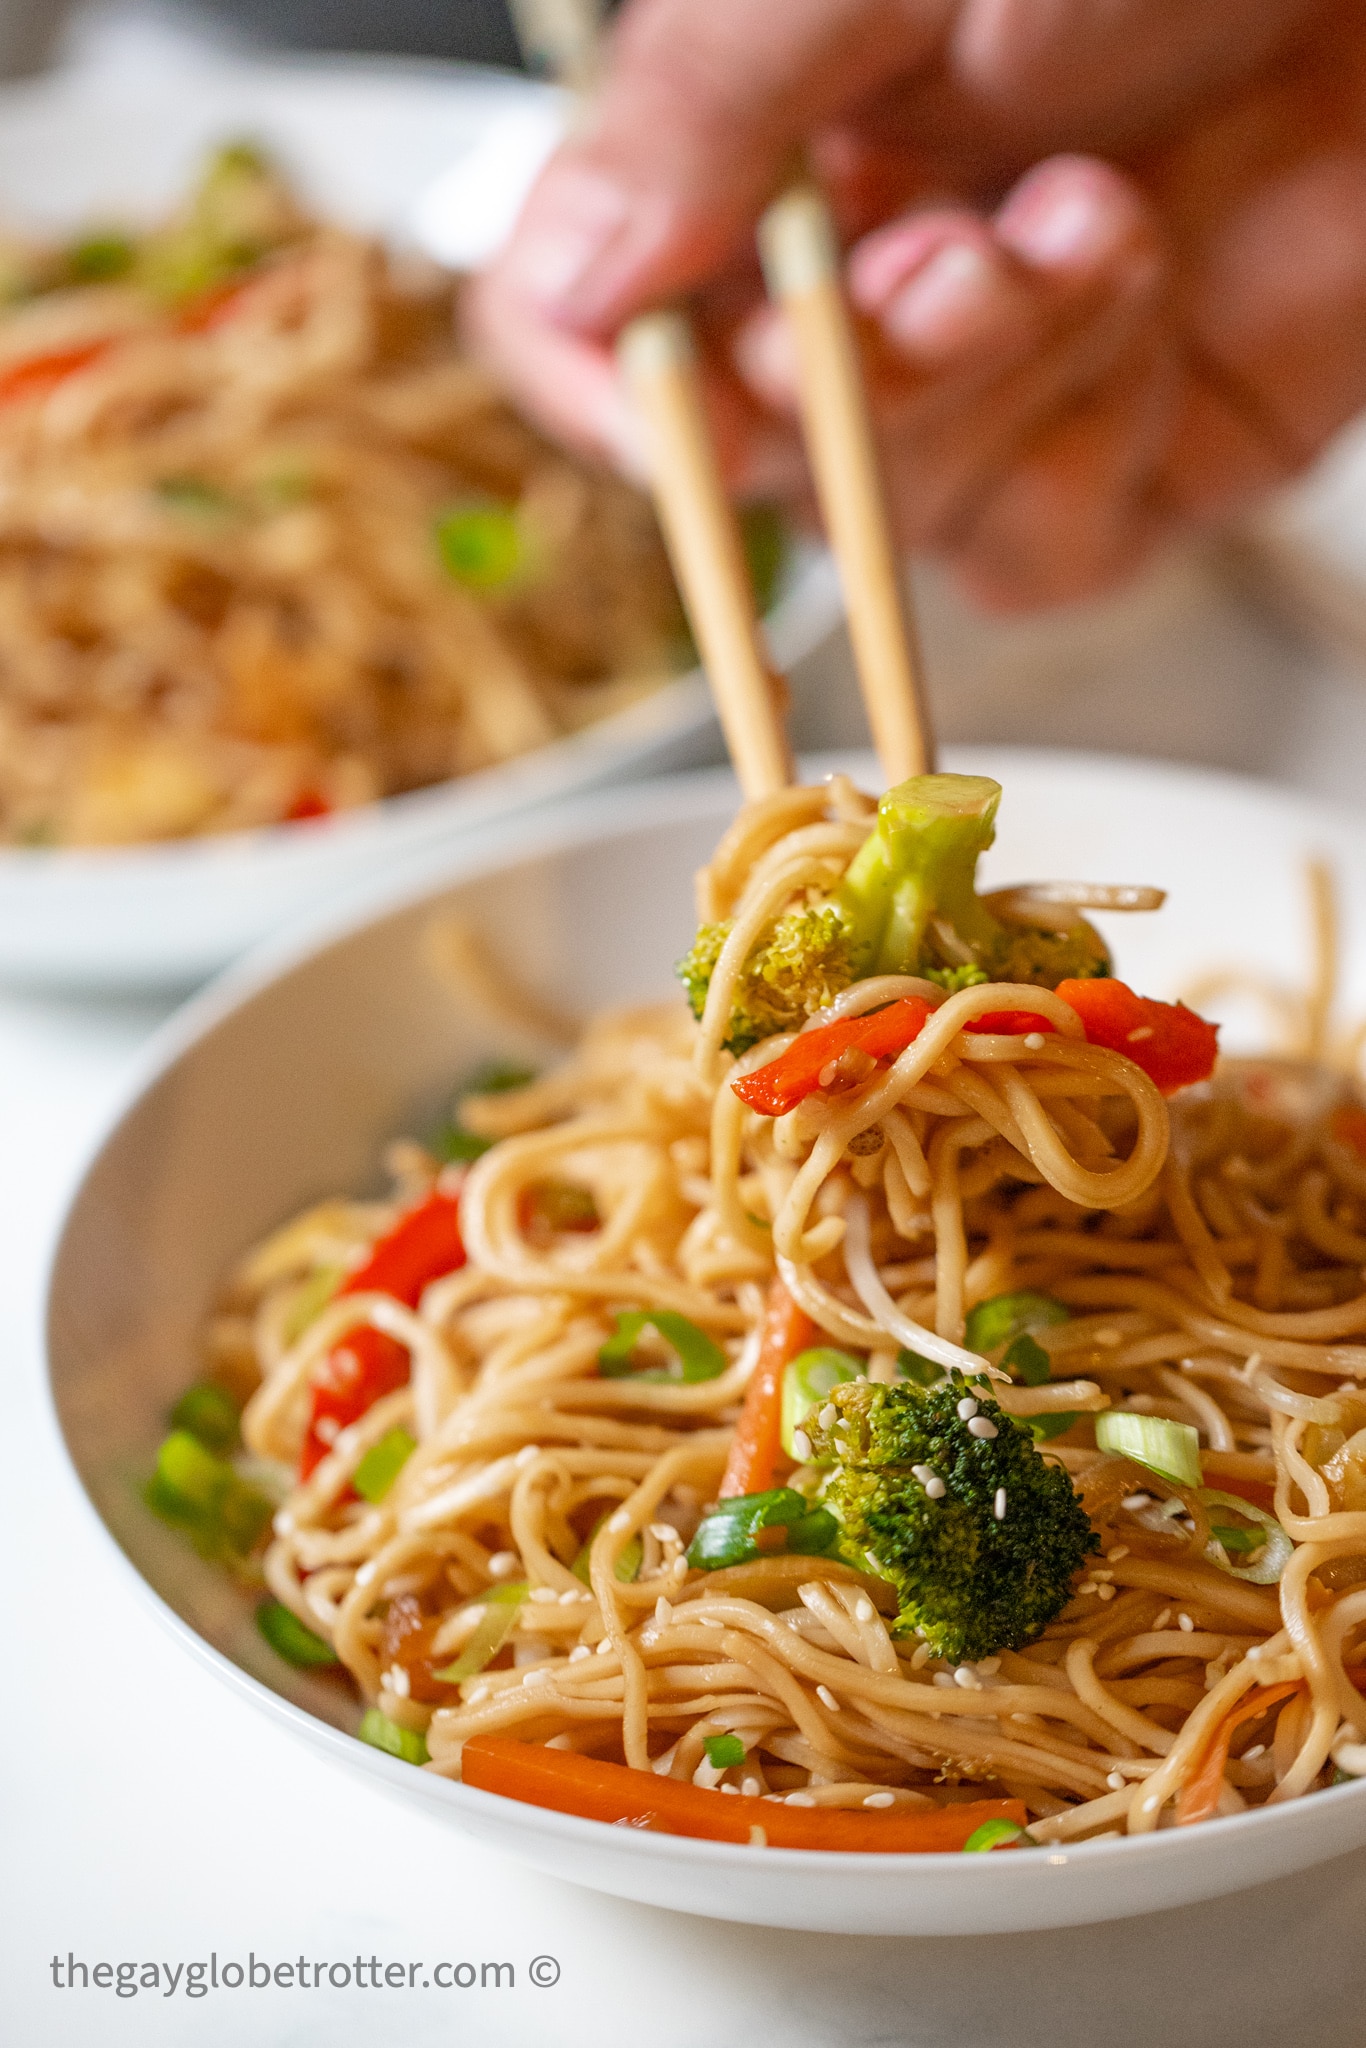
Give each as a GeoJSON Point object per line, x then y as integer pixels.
{"type": "Point", "coordinates": [697, 117]}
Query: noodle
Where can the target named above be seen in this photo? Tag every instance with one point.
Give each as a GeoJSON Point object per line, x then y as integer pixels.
{"type": "Point", "coordinates": [1041, 1162]}
{"type": "Point", "coordinates": [271, 546]}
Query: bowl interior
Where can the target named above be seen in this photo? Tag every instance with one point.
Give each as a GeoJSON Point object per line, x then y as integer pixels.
{"type": "Point", "coordinates": [285, 1084]}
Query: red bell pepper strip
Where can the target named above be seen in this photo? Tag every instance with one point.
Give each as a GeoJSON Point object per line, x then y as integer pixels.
{"type": "Point", "coordinates": [1173, 1046]}
{"type": "Point", "coordinates": [757, 1444]}
{"type": "Point", "coordinates": [568, 1783]}
{"type": "Point", "coordinates": [309, 803]}
{"type": "Point", "coordinates": [37, 375]}
{"type": "Point", "coordinates": [423, 1244]}
{"type": "Point", "coordinates": [796, 1073]}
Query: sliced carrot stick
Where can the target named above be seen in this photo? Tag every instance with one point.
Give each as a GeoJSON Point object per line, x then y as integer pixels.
{"type": "Point", "coordinates": [1199, 1795]}
{"type": "Point", "coordinates": [568, 1783]}
{"type": "Point", "coordinates": [757, 1443]}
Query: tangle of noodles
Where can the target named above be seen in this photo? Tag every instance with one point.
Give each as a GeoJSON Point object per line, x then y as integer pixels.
{"type": "Point", "coordinates": [1211, 1256]}
{"type": "Point", "coordinates": [272, 544]}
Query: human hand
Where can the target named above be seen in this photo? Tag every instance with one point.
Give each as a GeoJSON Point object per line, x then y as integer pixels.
{"type": "Point", "coordinates": [1127, 341]}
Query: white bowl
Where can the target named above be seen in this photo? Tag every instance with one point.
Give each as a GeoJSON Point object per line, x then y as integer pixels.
{"type": "Point", "coordinates": [284, 1082]}
{"type": "Point", "coordinates": [365, 141]}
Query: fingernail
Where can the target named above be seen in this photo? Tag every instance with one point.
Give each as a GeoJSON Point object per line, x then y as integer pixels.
{"type": "Point", "coordinates": [954, 299]}
{"type": "Point", "coordinates": [568, 225]}
{"type": "Point", "coordinates": [764, 353]}
{"type": "Point", "coordinates": [1072, 229]}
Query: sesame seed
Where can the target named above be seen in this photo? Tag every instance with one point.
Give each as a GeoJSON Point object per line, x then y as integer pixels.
{"type": "Point", "coordinates": [1111, 1339]}
{"type": "Point", "coordinates": [679, 1568]}
{"type": "Point", "coordinates": [664, 1613]}
{"type": "Point", "coordinates": [750, 1787]}
{"type": "Point", "coordinates": [1116, 1781]}
{"type": "Point", "coordinates": [664, 1532]}
{"type": "Point", "coordinates": [398, 1681]}
{"type": "Point", "coordinates": [1105, 1592]}
{"type": "Point", "coordinates": [921, 1657]}
{"type": "Point", "coordinates": [1000, 1503]}
{"type": "Point", "coordinates": [943, 1678]}
{"type": "Point", "coordinates": [801, 1446]}
{"type": "Point", "coordinates": [1102, 1578]}
{"type": "Point", "coordinates": [538, 1675]}
{"type": "Point", "coordinates": [1033, 1041]}
{"type": "Point", "coordinates": [1255, 1651]}
{"type": "Point", "coordinates": [799, 1799]}
{"type": "Point", "coordinates": [605, 1647]}
{"type": "Point", "coordinates": [1139, 1034]}
{"type": "Point", "coordinates": [984, 1427]}
{"type": "Point", "coordinates": [477, 1693]}
{"type": "Point", "coordinates": [365, 1574]}
{"type": "Point", "coordinates": [1120, 1550]}
{"type": "Point", "coordinates": [1136, 1502]}
{"type": "Point", "coordinates": [1087, 1586]}
{"type": "Point", "coordinates": [935, 1488]}
{"type": "Point", "coordinates": [730, 1788]}
{"type": "Point", "coordinates": [967, 1408]}
{"type": "Point", "coordinates": [527, 1454]}
{"type": "Point", "coordinates": [828, 1416]}
{"type": "Point", "coordinates": [874, 1564]}
{"type": "Point", "coordinates": [827, 1698]}
{"type": "Point", "coordinates": [327, 1429]}
{"type": "Point", "coordinates": [619, 1522]}
{"type": "Point", "coordinates": [573, 1597]}
{"type": "Point", "coordinates": [880, 1799]}
{"type": "Point", "coordinates": [503, 1564]}
{"type": "Point", "coordinates": [579, 1652]}
{"type": "Point", "coordinates": [1184, 1621]}
{"type": "Point", "coordinates": [967, 1678]}
{"type": "Point", "coordinates": [284, 1523]}
{"type": "Point", "coordinates": [710, 1621]}
{"type": "Point", "coordinates": [864, 1609]}
{"type": "Point", "coordinates": [922, 1473]}
{"type": "Point", "coordinates": [758, 1838]}
{"type": "Point", "coordinates": [1163, 1618]}
{"type": "Point", "coordinates": [1250, 1756]}
{"type": "Point", "coordinates": [560, 1742]}
{"type": "Point", "coordinates": [544, 1593]}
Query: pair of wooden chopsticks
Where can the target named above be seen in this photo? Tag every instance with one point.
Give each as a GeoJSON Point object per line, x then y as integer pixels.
{"type": "Point", "coordinates": [800, 258]}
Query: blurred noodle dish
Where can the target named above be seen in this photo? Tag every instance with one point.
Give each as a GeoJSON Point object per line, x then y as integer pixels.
{"type": "Point", "coordinates": [271, 545]}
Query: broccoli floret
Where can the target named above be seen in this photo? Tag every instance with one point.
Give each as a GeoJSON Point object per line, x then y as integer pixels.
{"type": "Point", "coordinates": [971, 1582]}
{"type": "Point", "coordinates": [800, 968]}
{"type": "Point", "coordinates": [910, 896]}
{"type": "Point", "coordinates": [908, 904]}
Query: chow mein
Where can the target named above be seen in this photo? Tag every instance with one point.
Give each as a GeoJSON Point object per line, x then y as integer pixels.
{"type": "Point", "coordinates": [913, 1402]}
{"type": "Point", "coordinates": [271, 546]}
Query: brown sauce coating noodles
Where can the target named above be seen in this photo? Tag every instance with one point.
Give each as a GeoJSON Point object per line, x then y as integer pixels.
{"type": "Point", "coordinates": [1209, 1255]}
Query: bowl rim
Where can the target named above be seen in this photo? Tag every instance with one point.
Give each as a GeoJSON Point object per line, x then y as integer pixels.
{"type": "Point", "coordinates": [593, 816]}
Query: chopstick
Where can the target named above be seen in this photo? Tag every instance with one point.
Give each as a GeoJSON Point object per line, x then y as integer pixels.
{"type": "Point", "coordinates": [800, 257]}
{"type": "Point", "coordinates": [659, 362]}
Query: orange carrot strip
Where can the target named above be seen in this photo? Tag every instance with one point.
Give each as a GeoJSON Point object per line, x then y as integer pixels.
{"type": "Point", "coordinates": [1199, 1795]}
{"type": "Point", "coordinates": [568, 1783]}
{"type": "Point", "coordinates": [757, 1444]}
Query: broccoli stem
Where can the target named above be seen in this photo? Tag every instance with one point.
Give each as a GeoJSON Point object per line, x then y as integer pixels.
{"type": "Point", "coordinates": [918, 866]}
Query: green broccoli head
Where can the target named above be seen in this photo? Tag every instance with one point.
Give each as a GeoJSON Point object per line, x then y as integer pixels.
{"type": "Point", "coordinates": [908, 904]}
{"type": "Point", "coordinates": [798, 969]}
{"type": "Point", "coordinates": [916, 1490]}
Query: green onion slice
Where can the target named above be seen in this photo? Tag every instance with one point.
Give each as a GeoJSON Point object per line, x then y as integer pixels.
{"type": "Point", "coordinates": [699, 1355]}
{"type": "Point", "coordinates": [407, 1744]}
{"type": "Point", "coordinates": [731, 1533]}
{"type": "Point", "coordinates": [382, 1463]}
{"type": "Point", "coordinates": [723, 1751]}
{"type": "Point", "coordinates": [995, 1834]}
{"type": "Point", "coordinates": [629, 1558]}
{"type": "Point", "coordinates": [1008, 1316]}
{"type": "Point", "coordinates": [481, 546]}
{"type": "Point", "coordinates": [921, 1372]}
{"type": "Point", "coordinates": [209, 1413]}
{"type": "Point", "coordinates": [289, 1638]}
{"type": "Point", "coordinates": [491, 1631]}
{"type": "Point", "coordinates": [1274, 1546]}
{"type": "Point", "coordinates": [1171, 1449]}
{"type": "Point", "coordinates": [807, 1381]}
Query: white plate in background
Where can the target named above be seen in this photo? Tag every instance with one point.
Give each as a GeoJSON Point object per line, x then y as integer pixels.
{"type": "Point", "coordinates": [284, 1084]}
{"type": "Point", "coordinates": [365, 139]}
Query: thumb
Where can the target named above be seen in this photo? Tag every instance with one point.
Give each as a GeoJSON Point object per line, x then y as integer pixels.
{"type": "Point", "coordinates": [702, 104]}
